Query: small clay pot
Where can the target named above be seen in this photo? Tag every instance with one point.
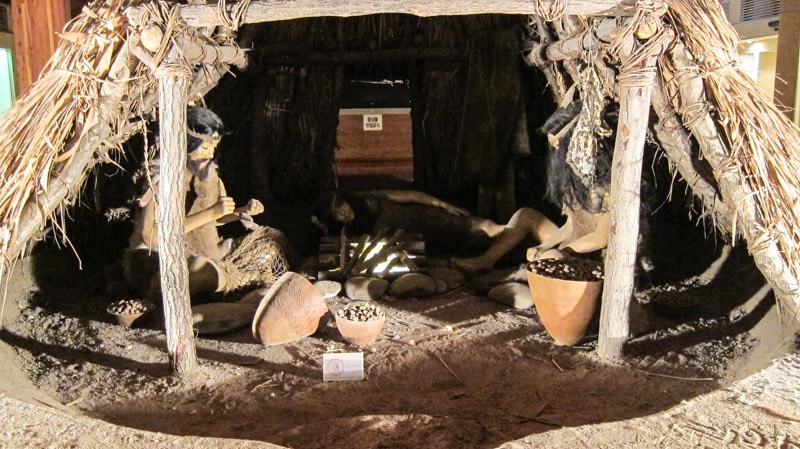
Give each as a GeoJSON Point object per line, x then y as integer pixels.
{"type": "Point", "coordinates": [359, 333]}
{"type": "Point", "coordinates": [565, 307]}
{"type": "Point", "coordinates": [127, 311]}
{"type": "Point", "coordinates": [127, 320]}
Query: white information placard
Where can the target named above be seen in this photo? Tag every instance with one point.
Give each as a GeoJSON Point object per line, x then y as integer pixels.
{"type": "Point", "coordinates": [343, 366]}
{"type": "Point", "coordinates": [373, 122]}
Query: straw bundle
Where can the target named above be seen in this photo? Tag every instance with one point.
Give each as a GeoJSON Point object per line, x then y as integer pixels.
{"type": "Point", "coordinates": [40, 134]}
{"type": "Point", "coordinates": [761, 141]}
{"type": "Point", "coordinates": [89, 99]}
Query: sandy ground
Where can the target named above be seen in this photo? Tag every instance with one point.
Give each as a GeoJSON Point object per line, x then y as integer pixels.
{"type": "Point", "coordinates": [451, 371]}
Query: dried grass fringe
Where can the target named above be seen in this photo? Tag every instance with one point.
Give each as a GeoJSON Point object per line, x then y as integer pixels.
{"type": "Point", "coordinates": [41, 132]}
{"type": "Point", "coordinates": [762, 141]}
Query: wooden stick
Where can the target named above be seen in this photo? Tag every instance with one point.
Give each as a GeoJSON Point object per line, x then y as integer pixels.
{"type": "Point", "coordinates": [343, 244]}
{"type": "Point", "coordinates": [448, 368]}
{"type": "Point", "coordinates": [556, 364]}
{"type": "Point", "coordinates": [391, 245]}
{"type": "Point", "coordinates": [172, 98]}
{"type": "Point", "coordinates": [274, 10]}
{"type": "Point", "coordinates": [356, 253]}
{"type": "Point", "coordinates": [409, 263]}
{"type": "Point", "coordinates": [626, 178]}
{"type": "Point", "coordinates": [675, 377]}
{"type": "Point", "coordinates": [371, 244]}
{"type": "Point", "coordinates": [678, 146]}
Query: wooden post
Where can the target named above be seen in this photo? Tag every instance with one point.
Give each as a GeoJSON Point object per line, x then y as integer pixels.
{"type": "Point", "coordinates": [202, 15]}
{"type": "Point", "coordinates": [172, 101]}
{"type": "Point", "coordinates": [626, 175]}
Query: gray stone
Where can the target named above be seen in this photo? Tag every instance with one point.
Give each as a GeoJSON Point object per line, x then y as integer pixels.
{"type": "Point", "coordinates": [453, 278]}
{"type": "Point", "coordinates": [441, 286]}
{"type": "Point", "coordinates": [328, 289]}
{"type": "Point", "coordinates": [413, 284]}
{"type": "Point", "coordinates": [254, 298]}
{"type": "Point", "coordinates": [222, 317]}
{"type": "Point", "coordinates": [485, 282]}
{"type": "Point", "coordinates": [365, 289]}
{"type": "Point", "coordinates": [513, 294]}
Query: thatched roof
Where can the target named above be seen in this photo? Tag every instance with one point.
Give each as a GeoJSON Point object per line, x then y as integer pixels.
{"type": "Point", "coordinates": [102, 80]}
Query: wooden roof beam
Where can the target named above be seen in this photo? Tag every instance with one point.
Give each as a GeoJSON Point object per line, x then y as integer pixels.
{"type": "Point", "coordinates": [274, 10]}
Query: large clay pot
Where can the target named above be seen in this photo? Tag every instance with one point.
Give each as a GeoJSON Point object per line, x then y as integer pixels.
{"type": "Point", "coordinates": [291, 309]}
{"type": "Point", "coordinates": [566, 307]}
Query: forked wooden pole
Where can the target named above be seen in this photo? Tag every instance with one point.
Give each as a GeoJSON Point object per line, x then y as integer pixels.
{"type": "Point", "coordinates": [635, 89]}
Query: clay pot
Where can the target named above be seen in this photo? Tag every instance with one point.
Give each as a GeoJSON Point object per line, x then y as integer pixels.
{"type": "Point", "coordinates": [127, 311]}
{"type": "Point", "coordinates": [359, 332]}
{"type": "Point", "coordinates": [126, 320]}
{"type": "Point", "coordinates": [290, 310]}
{"type": "Point", "coordinates": [565, 307]}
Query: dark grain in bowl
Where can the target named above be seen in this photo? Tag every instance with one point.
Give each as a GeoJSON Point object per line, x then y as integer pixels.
{"type": "Point", "coordinates": [572, 269]}
{"type": "Point", "coordinates": [361, 312]}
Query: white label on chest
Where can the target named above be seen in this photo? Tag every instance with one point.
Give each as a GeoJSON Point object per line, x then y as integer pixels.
{"type": "Point", "coordinates": [373, 122]}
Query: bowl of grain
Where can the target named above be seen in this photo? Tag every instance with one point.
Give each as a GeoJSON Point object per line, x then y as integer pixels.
{"type": "Point", "coordinates": [126, 311]}
{"type": "Point", "coordinates": [360, 323]}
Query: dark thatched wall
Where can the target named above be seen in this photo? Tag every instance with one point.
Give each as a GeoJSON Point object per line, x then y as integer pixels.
{"type": "Point", "coordinates": [281, 117]}
{"type": "Point", "coordinates": [282, 112]}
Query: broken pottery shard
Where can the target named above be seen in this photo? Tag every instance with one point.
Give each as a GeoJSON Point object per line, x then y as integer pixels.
{"type": "Point", "coordinates": [290, 310]}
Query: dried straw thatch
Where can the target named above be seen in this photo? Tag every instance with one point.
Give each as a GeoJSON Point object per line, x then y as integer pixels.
{"type": "Point", "coordinates": [46, 134]}
{"type": "Point", "coordinates": [103, 76]}
{"type": "Point", "coordinates": [88, 100]}
{"type": "Point", "coordinates": [703, 99]}
{"type": "Point", "coordinates": [760, 142]}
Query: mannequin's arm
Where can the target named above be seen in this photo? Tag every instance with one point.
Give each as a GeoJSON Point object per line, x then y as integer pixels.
{"type": "Point", "coordinates": [416, 197]}
{"type": "Point", "coordinates": [552, 241]}
{"type": "Point", "coordinates": [593, 241]}
{"type": "Point", "coordinates": [253, 207]}
{"type": "Point", "coordinates": [224, 206]}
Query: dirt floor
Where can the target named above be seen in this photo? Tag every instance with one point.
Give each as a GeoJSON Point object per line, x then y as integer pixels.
{"type": "Point", "coordinates": [450, 371]}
